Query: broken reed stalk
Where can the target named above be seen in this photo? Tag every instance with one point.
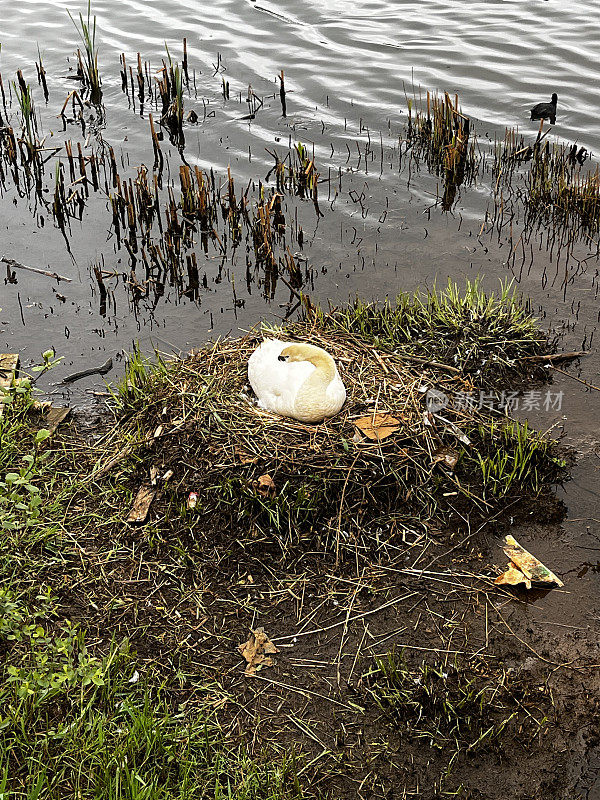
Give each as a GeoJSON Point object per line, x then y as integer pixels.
{"type": "Point", "coordinates": [178, 97]}
{"type": "Point", "coordinates": [184, 63]}
{"type": "Point", "coordinates": [41, 75]}
{"type": "Point", "coordinates": [59, 204]}
{"type": "Point", "coordinates": [123, 73]}
{"type": "Point", "coordinates": [10, 262]}
{"type": "Point", "coordinates": [140, 78]}
{"type": "Point", "coordinates": [232, 210]}
{"type": "Point", "coordinates": [158, 156]}
{"type": "Point", "coordinates": [293, 269]}
{"type": "Point", "coordinates": [113, 165]}
{"type": "Point", "coordinates": [74, 96]}
{"type": "Point", "coordinates": [3, 96]}
{"type": "Point", "coordinates": [101, 288]}
{"type": "Point", "coordinates": [282, 94]}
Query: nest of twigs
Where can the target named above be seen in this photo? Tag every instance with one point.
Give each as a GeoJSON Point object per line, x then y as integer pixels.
{"type": "Point", "coordinates": [380, 469]}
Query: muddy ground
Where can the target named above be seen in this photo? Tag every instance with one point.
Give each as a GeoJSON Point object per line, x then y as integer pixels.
{"type": "Point", "coordinates": [188, 592]}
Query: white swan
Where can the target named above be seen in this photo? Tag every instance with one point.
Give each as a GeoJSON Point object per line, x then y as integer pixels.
{"type": "Point", "coordinates": [296, 380]}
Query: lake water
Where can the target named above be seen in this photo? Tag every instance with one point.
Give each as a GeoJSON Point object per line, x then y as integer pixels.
{"type": "Point", "coordinates": [500, 56]}
{"type": "Point", "coordinates": [348, 71]}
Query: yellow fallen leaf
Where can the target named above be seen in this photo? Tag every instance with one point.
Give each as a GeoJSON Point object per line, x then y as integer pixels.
{"type": "Point", "coordinates": [524, 567]}
{"type": "Point", "coordinates": [530, 566]}
{"type": "Point", "coordinates": [512, 577]}
{"type": "Point", "coordinates": [377, 426]}
{"type": "Point", "coordinates": [257, 651]}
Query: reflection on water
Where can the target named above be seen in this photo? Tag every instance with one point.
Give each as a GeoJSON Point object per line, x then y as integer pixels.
{"type": "Point", "coordinates": [348, 72]}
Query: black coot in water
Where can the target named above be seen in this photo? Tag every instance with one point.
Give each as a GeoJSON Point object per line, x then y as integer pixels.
{"type": "Point", "coordinates": [546, 110]}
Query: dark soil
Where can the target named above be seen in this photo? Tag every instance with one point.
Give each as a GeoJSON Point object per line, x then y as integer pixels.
{"type": "Point", "coordinates": [187, 592]}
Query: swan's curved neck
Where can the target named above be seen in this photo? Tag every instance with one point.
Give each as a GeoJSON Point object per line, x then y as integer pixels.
{"type": "Point", "coordinates": [325, 367]}
{"type": "Point", "coordinates": [311, 400]}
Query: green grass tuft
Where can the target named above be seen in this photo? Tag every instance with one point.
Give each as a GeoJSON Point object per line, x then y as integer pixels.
{"type": "Point", "coordinates": [482, 334]}
{"type": "Point", "coordinates": [457, 709]}
{"type": "Point", "coordinates": [87, 33]}
{"type": "Point", "coordinates": [512, 457]}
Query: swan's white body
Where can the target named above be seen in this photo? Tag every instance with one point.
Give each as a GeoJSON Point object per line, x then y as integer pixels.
{"type": "Point", "coordinates": [303, 383]}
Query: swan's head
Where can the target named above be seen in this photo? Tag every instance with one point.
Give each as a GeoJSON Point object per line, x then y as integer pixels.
{"type": "Point", "coordinates": [297, 352]}
{"type": "Point", "coordinates": [301, 351]}
{"type": "Point", "coordinates": [555, 98]}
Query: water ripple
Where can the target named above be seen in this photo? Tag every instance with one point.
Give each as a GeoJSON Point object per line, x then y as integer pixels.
{"type": "Point", "coordinates": [501, 57]}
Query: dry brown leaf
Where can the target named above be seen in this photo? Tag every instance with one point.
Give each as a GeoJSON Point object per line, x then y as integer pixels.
{"type": "Point", "coordinates": [446, 456]}
{"type": "Point", "coordinates": [377, 426]}
{"type": "Point", "coordinates": [141, 504]}
{"type": "Point", "coordinates": [265, 486]}
{"type": "Point", "coordinates": [257, 651]}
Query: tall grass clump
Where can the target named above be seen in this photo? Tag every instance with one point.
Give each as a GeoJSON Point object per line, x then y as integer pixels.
{"type": "Point", "coordinates": [440, 135]}
{"type": "Point", "coordinates": [513, 457]}
{"type": "Point", "coordinates": [170, 88]}
{"type": "Point", "coordinates": [136, 385]}
{"type": "Point", "coordinates": [558, 190]}
{"type": "Point", "coordinates": [482, 334]}
{"type": "Point", "coordinates": [89, 65]}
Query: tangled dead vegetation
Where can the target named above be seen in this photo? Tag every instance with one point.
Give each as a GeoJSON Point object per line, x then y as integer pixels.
{"type": "Point", "coordinates": [383, 468]}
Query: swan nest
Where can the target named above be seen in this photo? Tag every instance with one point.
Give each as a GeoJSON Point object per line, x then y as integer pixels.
{"type": "Point", "coordinates": [400, 452]}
